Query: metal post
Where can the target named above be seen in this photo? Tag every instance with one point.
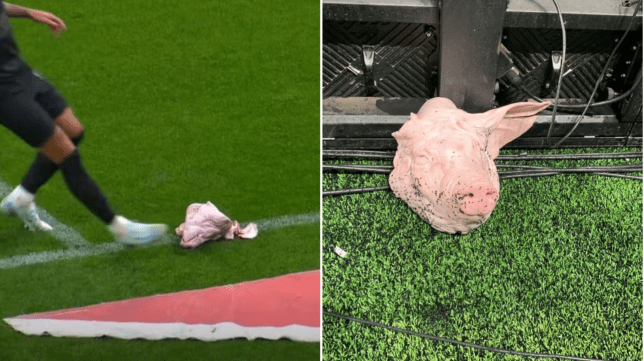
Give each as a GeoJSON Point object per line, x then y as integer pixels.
{"type": "Point", "coordinates": [470, 36]}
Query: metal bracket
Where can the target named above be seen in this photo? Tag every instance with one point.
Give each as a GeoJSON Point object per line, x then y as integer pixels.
{"type": "Point", "coordinates": [368, 55]}
{"type": "Point", "coordinates": [555, 70]}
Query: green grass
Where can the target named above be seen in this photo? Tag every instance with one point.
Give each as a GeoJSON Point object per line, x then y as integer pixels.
{"type": "Point", "coordinates": [17, 241]}
{"type": "Point", "coordinates": [181, 103]}
{"type": "Point", "coordinates": [556, 269]}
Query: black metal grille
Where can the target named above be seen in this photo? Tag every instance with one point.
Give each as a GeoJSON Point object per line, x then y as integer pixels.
{"type": "Point", "coordinates": [402, 60]}
{"type": "Point", "coordinates": [586, 55]}
{"type": "Point", "coordinates": [400, 64]}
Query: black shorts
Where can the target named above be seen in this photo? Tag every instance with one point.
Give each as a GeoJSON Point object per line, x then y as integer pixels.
{"type": "Point", "coordinates": [30, 111]}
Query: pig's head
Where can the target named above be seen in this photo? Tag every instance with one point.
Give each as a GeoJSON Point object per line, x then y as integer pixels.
{"type": "Point", "coordinates": [204, 222]}
{"type": "Point", "coordinates": [444, 168]}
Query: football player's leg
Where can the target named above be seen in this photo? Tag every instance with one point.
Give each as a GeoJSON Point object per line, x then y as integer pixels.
{"type": "Point", "coordinates": [27, 120]}
{"type": "Point", "coordinates": [30, 122]}
{"type": "Point", "coordinates": [42, 169]}
{"type": "Point", "coordinates": [60, 149]}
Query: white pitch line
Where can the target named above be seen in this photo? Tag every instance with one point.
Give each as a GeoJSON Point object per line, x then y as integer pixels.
{"type": "Point", "coordinates": [61, 232]}
{"type": "Point", "coordinates": [44, 257]}
{"type": "Point", "coordinates": [285, 221]}
{"type": "Point", "coordinates": [49, 256]}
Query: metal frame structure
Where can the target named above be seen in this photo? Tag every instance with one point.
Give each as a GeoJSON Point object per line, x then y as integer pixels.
{"type": "Point", "coordinates": [468, 34]}
{"type": "Point", "coordinates": [579, 14]}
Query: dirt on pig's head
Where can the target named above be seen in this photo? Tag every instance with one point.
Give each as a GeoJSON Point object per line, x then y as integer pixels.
{"type": "Point", "coordinates": [444, 167]}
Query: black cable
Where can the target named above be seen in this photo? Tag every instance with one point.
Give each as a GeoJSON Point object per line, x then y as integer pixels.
{"type": "Point", "coordinates": [341, 192]}
{"type": "Point", "coordinates": [619, 176]}
{"type": "Point", "coordinates": [590, 100]}
{"type": "Point", "coordinates": [593, 104]}
{"type": "Point", "coordinates": [390, 155]}
{"type": "Point", "coordinates": [544, 172]}
{"type": "Point", "coordinates": [587, 169]}
{"type": "Point", "coordinates": [460, 343]}
{"type": "Point", "coordinates": [386, 169]}
{"type": "Point", "coordinates": [373, 154]}
{"type": "Point", "coordinates": [579, 156]}
{"type": "Point", "coordinates": [508, 175]}
{"type": "Point", "coordinates": [599, 79]}
{"type": "Point", "coordinates": [563, 63]}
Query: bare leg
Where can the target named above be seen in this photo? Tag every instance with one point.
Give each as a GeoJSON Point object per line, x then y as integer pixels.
{"type": "Point", "coordinates": [42, 169]}
{"type": "Point", "coordinates": [58, 146]}
{"type": "Point", "coordinates": [68, 122]}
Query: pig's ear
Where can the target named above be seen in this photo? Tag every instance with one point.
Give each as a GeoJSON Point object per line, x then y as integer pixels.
{"type": "Point", "coordinates": [507, 123]}
{"type": "Point", "coordinates": [405, 132]}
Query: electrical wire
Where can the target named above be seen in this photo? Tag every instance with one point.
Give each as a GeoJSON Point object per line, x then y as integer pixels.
{"type": "Point", "coordinates": [524, 172]}
{"type": "Point", "coordinates": [563, 63]}
{"type": "Point", "coordinates": [509, 175]}
{"type": "Point", "coordinates": [342, 192]}
{"type": "Point", "coordinates": [579, 156]}
{"type": "Point", "coordinates": [347, 191]}
{"type": "Point", "coordinates": [460, 343]}
{"type": "Point", "coordinates": [592, 95]}
{"type": "Point", "coordinates": [390, 155]}
{"type": "Point", "coordinates": [593, 104]}
{"type": "Point", "coordinates": [547, 172]}
{"type": "Point", "coordinates": [386, 169]}
{"type": "Point", "coordinates": [619, 176]}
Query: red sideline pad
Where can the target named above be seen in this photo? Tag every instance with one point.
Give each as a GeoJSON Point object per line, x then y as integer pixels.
{"type": "Point", "coordinates": [285, 306]}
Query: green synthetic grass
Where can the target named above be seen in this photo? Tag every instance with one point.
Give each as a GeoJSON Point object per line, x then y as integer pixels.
{"type": "Point", "coordinates": [556, 269]}
{"type": "Point", "coordinates": [181, 103]}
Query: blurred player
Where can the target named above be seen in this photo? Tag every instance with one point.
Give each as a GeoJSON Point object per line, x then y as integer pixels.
{"type": "Point", "coordinates": [31, 108]}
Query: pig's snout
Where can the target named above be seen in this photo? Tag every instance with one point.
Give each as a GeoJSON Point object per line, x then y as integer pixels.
{"type": "Point", "coordinates": [477, 200]}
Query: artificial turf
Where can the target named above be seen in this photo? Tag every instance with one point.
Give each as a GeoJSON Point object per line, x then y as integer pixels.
{"type": "Point", "coordinates": [556, 269]}
{"type": "Point", "coordinates": [181, 103]}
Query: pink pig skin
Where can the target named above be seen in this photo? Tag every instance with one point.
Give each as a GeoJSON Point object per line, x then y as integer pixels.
{"type": "Point", "coordinates": [204, 222]}
{"type": "Point", "coordinates": [444, 167]}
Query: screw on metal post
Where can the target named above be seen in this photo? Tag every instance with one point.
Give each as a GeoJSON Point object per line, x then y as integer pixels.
{"type": "Point", "coordinates": [430, 31]}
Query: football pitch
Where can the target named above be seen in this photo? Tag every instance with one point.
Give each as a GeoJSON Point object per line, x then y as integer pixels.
{"type": "Point", "coordinates": [181, 103]}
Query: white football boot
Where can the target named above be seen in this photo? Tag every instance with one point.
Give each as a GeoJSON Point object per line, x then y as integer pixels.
{"type": "Point", "coordinates": [19, 203]}
{"type": "Point", "coordinates": [134, 233]}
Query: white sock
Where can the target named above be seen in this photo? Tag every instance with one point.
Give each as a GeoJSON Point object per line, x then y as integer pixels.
{"type": "Point", "coordinates": [118, 225]}
{"type": "Point", "coordinates": [23, 197]}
